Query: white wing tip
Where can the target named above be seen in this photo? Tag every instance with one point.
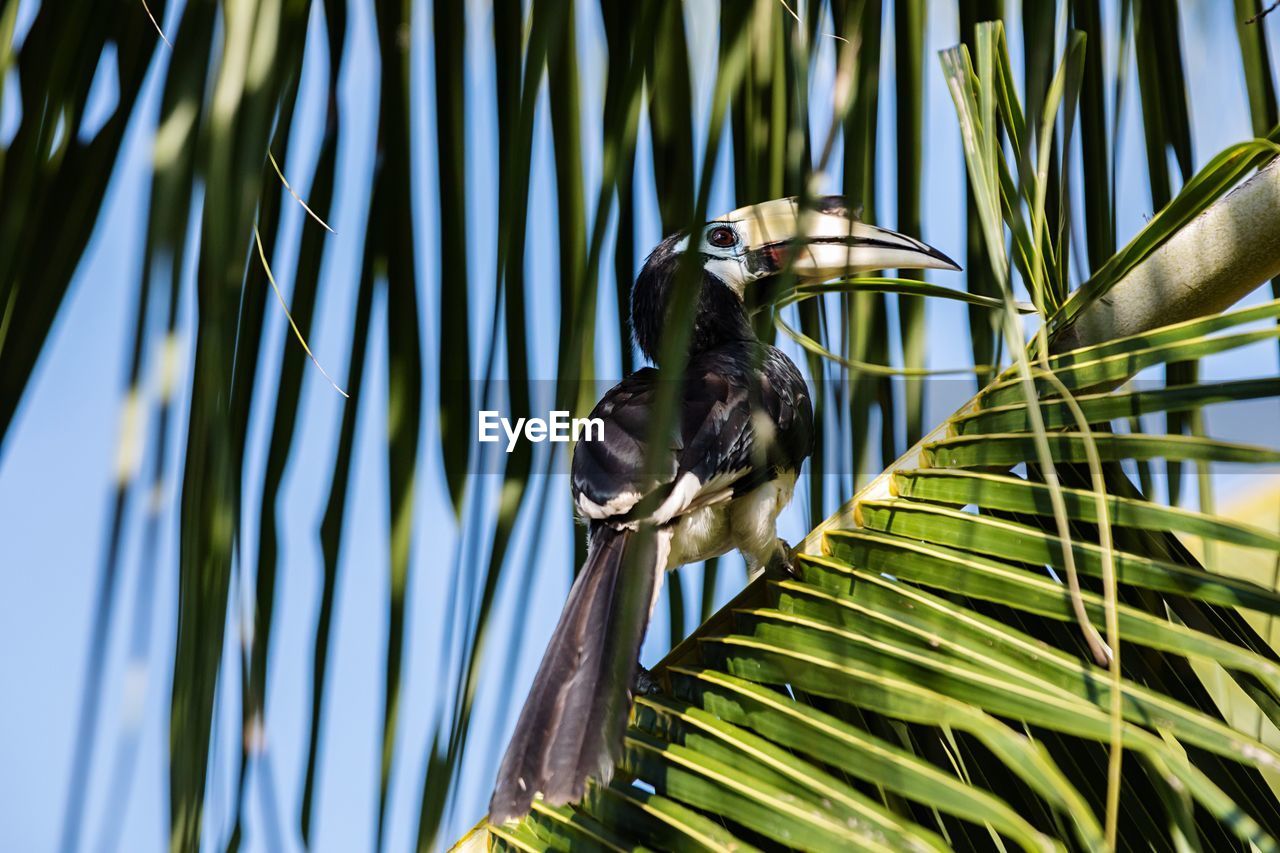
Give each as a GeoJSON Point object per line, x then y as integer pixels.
{"type": "Point", "coordinates": [619, 504]}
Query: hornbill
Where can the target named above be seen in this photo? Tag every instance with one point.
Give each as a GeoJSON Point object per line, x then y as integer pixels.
{"type": "Point", "coordinates": [743, 427]}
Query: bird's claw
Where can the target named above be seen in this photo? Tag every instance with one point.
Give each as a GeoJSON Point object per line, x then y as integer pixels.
{"type": "Point", "coordinates": [782, 566]}
{"type": "Point", "coordinates": [644, 684]}
{"type": "Point", "coordinates": [789, 568]}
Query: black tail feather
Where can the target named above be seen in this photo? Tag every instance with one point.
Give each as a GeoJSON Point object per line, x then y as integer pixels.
{"type": "Point", "coordinates": [572, 725]}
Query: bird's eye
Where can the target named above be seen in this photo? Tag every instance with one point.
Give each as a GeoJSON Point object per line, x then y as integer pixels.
{"type": "Point", "coordinates": [722, 237]}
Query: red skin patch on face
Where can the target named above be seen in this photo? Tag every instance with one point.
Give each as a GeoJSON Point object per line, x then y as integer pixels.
{"type": "Point", "coordinates": [772, 258]}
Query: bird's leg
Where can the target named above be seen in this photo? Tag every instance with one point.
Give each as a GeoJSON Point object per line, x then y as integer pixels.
{"type": "Point", "coordinates": [644, 683]}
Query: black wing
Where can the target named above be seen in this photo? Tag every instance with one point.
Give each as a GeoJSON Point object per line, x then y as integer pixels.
{"type": "Point", "coordinates": [744, 415]}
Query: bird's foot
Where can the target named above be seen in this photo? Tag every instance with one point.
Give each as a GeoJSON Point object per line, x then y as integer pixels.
{"type": "Point", "coordinates": [781, 565]}
{"type": "Point", "coordinates": [644, 684]}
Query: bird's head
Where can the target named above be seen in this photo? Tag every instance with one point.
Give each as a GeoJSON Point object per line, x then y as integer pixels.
{"type": "Point", "coordinates": [818, 242]}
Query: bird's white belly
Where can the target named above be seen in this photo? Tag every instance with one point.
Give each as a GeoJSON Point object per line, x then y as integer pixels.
{"type": "Point", "coordinates": [700, 534]}
{"type": "Point", "coordinates": [747, 522]}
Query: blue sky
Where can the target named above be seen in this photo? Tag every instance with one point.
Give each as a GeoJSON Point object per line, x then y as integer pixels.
{"type": "Point", "coordinates": [56, 465]}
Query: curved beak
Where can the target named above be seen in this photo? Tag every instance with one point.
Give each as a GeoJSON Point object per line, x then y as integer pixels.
{"type": "Point", "coordinates": [825, 241]}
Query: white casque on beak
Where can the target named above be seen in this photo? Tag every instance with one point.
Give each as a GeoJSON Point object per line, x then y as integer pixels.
{"type": "Point", "coordinates": [823, 242]}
